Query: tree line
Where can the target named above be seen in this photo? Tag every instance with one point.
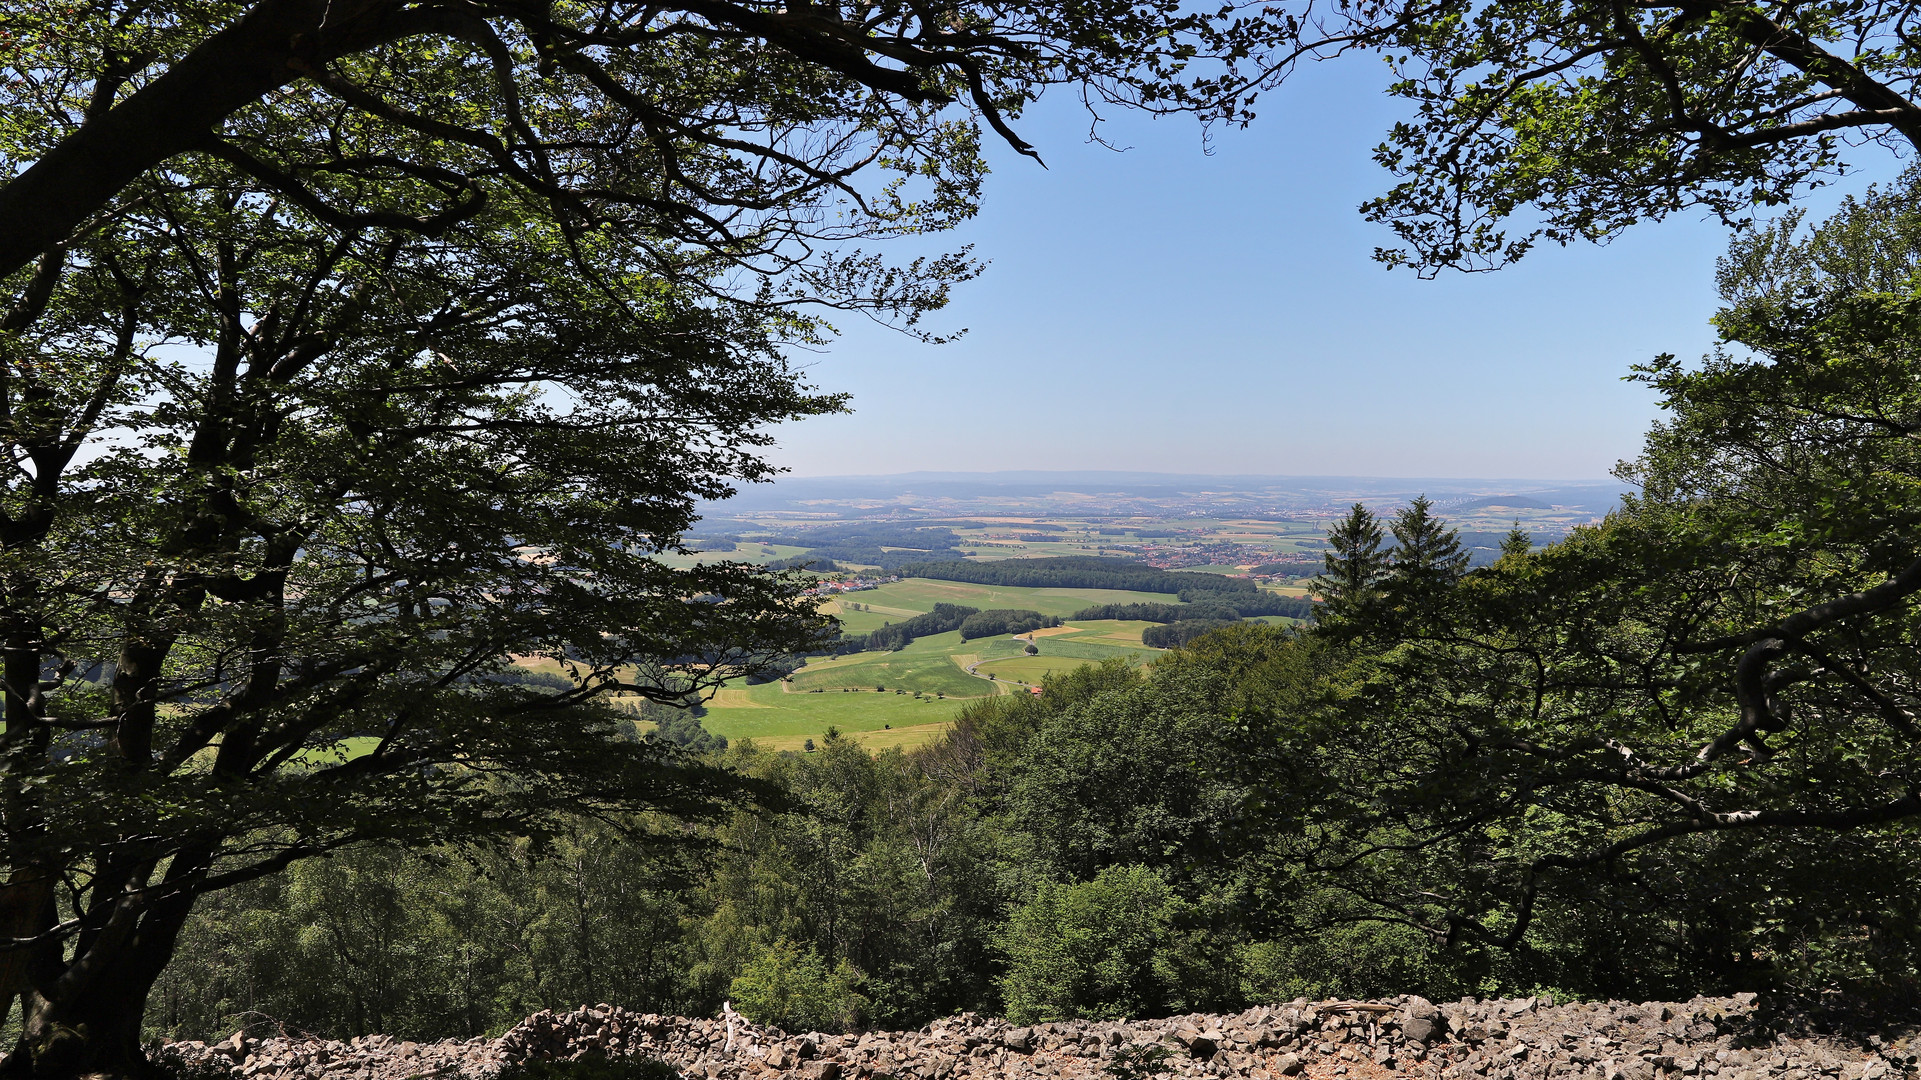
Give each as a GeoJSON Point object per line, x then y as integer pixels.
{"type": "Point", "coordinates": [999, 622]}
{"type": "Point", "coordinates": [943, 618]}
{"type": "Point", "coordinates": [1077, 572]}
{"type": "Point", "coordinates": [1303, 566]}
{"type": "Point", "coordinates": [971, 622]}
{"type": "Point", "coordinates": [1205, 605]}
{"type": "Point", "coordinates": [1175, 634]}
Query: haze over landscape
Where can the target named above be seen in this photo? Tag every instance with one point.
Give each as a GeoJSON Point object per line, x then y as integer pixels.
{"type": "Point", "coordinates": [1181, 307]}
{"type": "Point", "coordinates": [1150, 494]}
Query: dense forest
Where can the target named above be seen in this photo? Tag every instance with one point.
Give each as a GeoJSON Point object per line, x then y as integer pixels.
{"type": "Point", "coordinates": [1137, 612]}
{"type": "Point", "coordinates": [1304, 566]}
{"type": "Point", "coordinates": [971, 622]}
{"type": "Point", "coordinates": [1076, 572]}
{"type": "Point", "coordinates": [1175, 634]}
{"type": "Point", "coordinates": [1250, 602]}
{"type": "Point", "coordinates": [888, 891]}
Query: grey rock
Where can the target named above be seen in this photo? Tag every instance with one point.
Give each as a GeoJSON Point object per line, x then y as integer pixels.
{"type": "Point", "coordinates": [1420, 1030]}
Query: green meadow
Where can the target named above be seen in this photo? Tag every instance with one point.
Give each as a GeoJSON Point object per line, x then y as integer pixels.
{"type": "Point", "coordinates": [914, 596]}
{"type": "Point", "coordinates": [777, 717]}
{"type": "Point", "coordinates": [907, 697]}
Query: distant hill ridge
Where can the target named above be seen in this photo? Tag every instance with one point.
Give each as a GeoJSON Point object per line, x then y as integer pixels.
{"type": "Point", "coordinates": [1519, 502]}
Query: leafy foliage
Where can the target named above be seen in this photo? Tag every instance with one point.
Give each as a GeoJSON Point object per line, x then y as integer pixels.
{"type": "Point", "coordinates": [1640, 756]}
{"type": "Point", "coordinates": [1570, 120]}
{"type": "Point", "coordinates": [790, 988]}
{"type": "Point", "coordinates": [1139, 1061]}
{"type": "Point", "coordinates": [998, 622]}
{"type": "Point", "coordinates": [943, 619]}
{"type": "Point", "coordinates": [1175, 634]}
{"type": "Point", "coordinates": [1107, 949]}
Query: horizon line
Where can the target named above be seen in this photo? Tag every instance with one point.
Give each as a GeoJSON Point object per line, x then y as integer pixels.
{"type": "Point", "coordinates": [1585, 481]}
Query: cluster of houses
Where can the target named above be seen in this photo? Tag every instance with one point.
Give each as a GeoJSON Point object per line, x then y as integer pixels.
{"type": "Point", "coordinates": [847, 585]}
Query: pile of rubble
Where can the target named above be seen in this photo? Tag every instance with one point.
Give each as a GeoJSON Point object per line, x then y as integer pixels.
{"type": "Point", "coordinates": [375, 1057]}
{"type": "Point", "coordinates": [1407, 1037]}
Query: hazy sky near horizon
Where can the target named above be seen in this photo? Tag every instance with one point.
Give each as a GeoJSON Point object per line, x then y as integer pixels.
{"type": "Point", "coordinates": [1170, 310]}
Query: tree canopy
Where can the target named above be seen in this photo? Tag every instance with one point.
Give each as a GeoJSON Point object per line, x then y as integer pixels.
{"type": "Point", "coordinates": [716, 126]}
{"type": "Point", "coordinates": [290, 512]}
{"type": "Point", "coordinates": [1570, 120]}
{"type": "Point", "coordinates": [1687, 716]}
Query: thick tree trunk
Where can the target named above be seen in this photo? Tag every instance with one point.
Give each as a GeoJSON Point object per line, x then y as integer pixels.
{"type": "Point", "coordinates": [96, 1034]}
{"type": "Point", "coordinates": [92, 1025]}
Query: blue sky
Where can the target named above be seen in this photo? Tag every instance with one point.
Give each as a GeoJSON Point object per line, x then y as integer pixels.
{"type": "Point", "coordinates": [1164, 309]}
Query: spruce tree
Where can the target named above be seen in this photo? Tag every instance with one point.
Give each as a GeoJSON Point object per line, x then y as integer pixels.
{"type": "Point", "coordinates": [1516, 542]}
{"type": "Point", "coordinates": [1354, 562]}
{"type": "Point", "coordinates": [1427, 553]}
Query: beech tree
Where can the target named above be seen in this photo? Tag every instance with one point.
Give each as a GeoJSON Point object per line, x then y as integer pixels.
{"type": "Point", "coordinates": [1570, 120]}
{"type": "Point", "coordinates": [291, 512]}
{"type": "Point", "coordinates": [704, 121]}
{"type": "Point", "coordinates": [360, 356]}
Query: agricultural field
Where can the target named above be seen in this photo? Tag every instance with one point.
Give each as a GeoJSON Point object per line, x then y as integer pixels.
{"type": "Point", "coordinates": [907, 697]}
{"type": "Point", "coordinates": [758, 554]}
{"type": "Point", "coordinates": [913, 596]}
{"type": "Point", "coordinates": [777, 718]}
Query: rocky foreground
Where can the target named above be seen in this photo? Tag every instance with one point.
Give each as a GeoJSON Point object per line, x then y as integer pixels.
{"type": "Point", "coordinates": [1525, 1039]}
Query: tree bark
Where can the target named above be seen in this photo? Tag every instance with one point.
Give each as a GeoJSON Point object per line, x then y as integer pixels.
{"type": "Point", "coordinates": [93, 1026]}
{"type": "Point", "coordinates": [169, 116]}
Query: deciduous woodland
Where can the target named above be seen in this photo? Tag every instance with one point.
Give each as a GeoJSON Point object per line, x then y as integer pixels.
{"type": "Point", "coordinates": [357, 355]}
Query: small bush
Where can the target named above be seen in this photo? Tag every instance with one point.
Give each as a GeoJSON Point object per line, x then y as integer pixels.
{"type": "Point", "coordinates": [1104, 949]}
{"type": "Point", "coordinates": [1140, 1061]}
{"type": "Point", "coordinates": [792, 988]}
